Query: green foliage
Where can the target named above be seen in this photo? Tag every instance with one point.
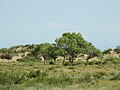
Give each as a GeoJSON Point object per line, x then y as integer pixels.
{"type": "Point", "coordinates": [29, 59]}
{"type": "Point", "coordinates": [71, 68]}
{"type": "Point", "coordinates": [60, 81]}
{"type": "Point", "coordinates": [99, 75]}
{"type": "Point", "coordinates": [67, 64]}
{"type": "Point", "coordinates": [42, 50]}
{"type": "Point", "coordinates": [115, 76]}
{"type": "Point", "coordinates": [74, 44]}
{"type": "Point", "coordinates": [4, 50]}
{"type": "Point", "coordinates": [34, 74]}
{"type": "Point", "coordinates": [112, 60]}
{"type": "Point", "coordinates": [51, 63]}
{"type": "Point", "coordinates": [6, 56]}
{"type": "Point", "coordinates": [11, 78]}
{"type": "Point", "coordinates": [107, 51]}
{"type": "Point", "coordinates": [95, 62]}
{"type": "Point", "coordinates": [117, 49]}
{"type": "Point", "coordinates": [35, 52]}
{"type": "Point", "coordinates": [51, 68]}
{"type": "Point", "coordinates": [86, 78]}
{"type": "Point", "coordinates": [69, 43]}
{"type": "Point", "coordinates": [23, 76]}
{"type": "Point", "coordinates": [53, 52]}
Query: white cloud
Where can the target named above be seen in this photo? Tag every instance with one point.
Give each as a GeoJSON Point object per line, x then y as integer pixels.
{"type": "Point", "coordinates": [57, 25]}
{"type": "Point", "coordinates": [108, 27]}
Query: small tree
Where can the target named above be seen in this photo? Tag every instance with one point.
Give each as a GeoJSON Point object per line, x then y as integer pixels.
{"type": "Point", "coordinates": [42, 50]}
{"type": "Point", "coordinates": [92, 52]}
{"type": "Point", "coordinates": [107, 51]}
{"type": "Point", "coordinates": [36, 52]}
{"type": "Point", "coordinates": [117, 49]}
{"type": "Point", "coordinates": [53, 52]}
{"type": "Point", "coordinates": [6, 56]}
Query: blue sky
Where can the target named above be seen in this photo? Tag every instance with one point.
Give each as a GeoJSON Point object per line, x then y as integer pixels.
{"type": "Point", "coordinates": [38, 21]}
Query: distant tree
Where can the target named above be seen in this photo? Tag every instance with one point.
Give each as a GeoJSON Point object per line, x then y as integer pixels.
{"type": "Point", "coordinates": [4, 50]}
{"type": "Point", "coordinates": [53, 52]}
{"type": "Point", "coordinates": [117, 49]}
{"type": "Point", "coordinates": [6, 56]}
{"type": "Point", "coordinates": [107, 51]}
{"type": "Point", "coordinates": [36, 52]}
{"type": "Point", "coordinates": [42, 50]}
{"type": "Point", "coordinates": [94, 53]}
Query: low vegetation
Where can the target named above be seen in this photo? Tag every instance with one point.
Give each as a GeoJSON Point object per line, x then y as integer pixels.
{"type": "Point", "coordinates": [36, 75]}
{"type": "Point", "coordinates": [71, 63]}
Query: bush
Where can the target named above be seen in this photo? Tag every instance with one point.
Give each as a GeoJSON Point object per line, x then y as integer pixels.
{"type": "Point", "coordinates": [115, 76]}
{"type": "Point", "coordinates": [11, 78]}
{"type": "Point", "coordinates": [6, 56]}
{"type": "Point", "coordinates": [35, 74]}
{"type": "Point", "coordinates": [51, 63]}
{"type": "Point", "coordinates": [95, 63]}
{"type": "Point", "coordinates": [86, 78]}
{"type": "Point", "coordinates": [110, 76]}
{"type": "Point", "coordinates": [59, 81]}
{"type": "Point", "coordinates": [99, 75]}
{"type": "Point", "coordinates": [71, 68]}
{"type": "Point", "coordinates": [28, 59]}
{"type": "Point", "coordinates": [51, 68]}
{"type": "Point", "coordinates": [112, 60]}
{"type": "Point", "coordinates": [67, 64]}
{"type": "Point", "coordinates": [117, 50]}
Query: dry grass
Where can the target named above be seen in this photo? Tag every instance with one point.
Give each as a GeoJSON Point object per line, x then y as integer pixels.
{"type": "Point", "coordinates": [55, 71]}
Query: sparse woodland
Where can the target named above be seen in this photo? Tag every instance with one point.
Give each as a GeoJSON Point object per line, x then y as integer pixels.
{"type": "Point", "coordinates": [70, 63]}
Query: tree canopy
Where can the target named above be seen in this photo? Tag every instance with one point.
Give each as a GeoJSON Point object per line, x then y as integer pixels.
{"type": "Point", "coordinates": [74, 43]}
{"type": "Point", "coordinates": [70, 44]}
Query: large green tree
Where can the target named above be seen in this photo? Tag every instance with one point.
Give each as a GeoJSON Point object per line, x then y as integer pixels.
{"type": "Point", "coordinates": [73, 44]}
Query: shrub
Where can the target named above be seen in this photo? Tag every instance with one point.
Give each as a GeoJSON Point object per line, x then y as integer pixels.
{"type": "Point", "coordinates": [11, 78]}
{"type": "Point", "coordinates": [28, 59]}
{"type": "Point", "coordinates": [99, 75]}
{"type": "Point", "coordinates": [67, 64]}
{"type": "Point", "coordinates": [6, 56]}
{"type": "Point", "coordinates": [51, 63]}
{"type": "Point", "coordinates": [51, 68]}
{"type": "Point", "coordinates": [115, 76]}
{"type": "Point", "coordinates": [59, 81]}
{"type": "Point", "coordinates": [117, 50]}
{"type": "Point", "coordinates": [71, 68]}
{"type": "Point", "coordinates": [35, 74]}
{"type": "Point", "coordinates": [87, 78]}
{"type": "Point", "coordinates": [112, 60]}
{"type": "Point", "coordinates": [95, 63]}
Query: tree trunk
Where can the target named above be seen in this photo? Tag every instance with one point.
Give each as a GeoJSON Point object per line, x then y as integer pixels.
{"type": "Point", "coordinates": [87, 61]}
{"type": "Point", "coordinates": [72, 59]}
{"type": "Point", "coordinates": [44, 60]}
{"type": "Point", "coordinates": [54, 60]}
{"type": "Point", "coordinates": [63, 60]}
